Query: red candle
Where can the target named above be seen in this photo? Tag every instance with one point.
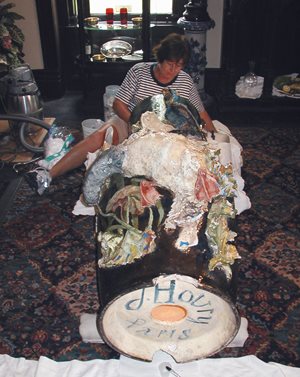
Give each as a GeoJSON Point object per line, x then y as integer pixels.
{"type": "Point", "coordinates": [109, 16]}
{"type": "Point", "coordinates": [123, 16]}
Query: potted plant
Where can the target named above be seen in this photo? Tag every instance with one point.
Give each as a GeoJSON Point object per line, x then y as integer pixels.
{"type": "Point", "coordinates": [11, 37]}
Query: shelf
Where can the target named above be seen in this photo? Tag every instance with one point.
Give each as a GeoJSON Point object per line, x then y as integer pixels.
{"type": "Point", "coordinates": [105, 68]}
{"type": "Point", "coordinates": [117, 61]}
{"type": "Point", "coordinates": [116, 26]}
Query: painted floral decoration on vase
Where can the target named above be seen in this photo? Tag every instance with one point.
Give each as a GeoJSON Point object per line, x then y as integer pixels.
{"type": "Point", "coordinates": [197, 63]}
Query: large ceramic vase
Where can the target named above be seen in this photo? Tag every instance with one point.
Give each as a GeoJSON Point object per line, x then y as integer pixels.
{"type": "Point", "coordinates": [196, 22]}
{"type": "Point", "coordinates": [166, 300]}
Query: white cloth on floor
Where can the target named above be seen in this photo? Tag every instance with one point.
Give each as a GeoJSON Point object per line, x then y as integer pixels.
{"type": "Point", "coordinates": [244, 91]}
{"type": "Point", "coordinates": [89, 333]}
{"type": "Point", "coordinates": [247, 366]}
{"type": "Point", "coordinates": [45, 367]}
{"type": "Point", "coordinates": [81, 209]}
{"type": "Point", "coordinates": [242, 335]}
{"type": "Point", "coordinates": [88, 329]}
{"type": "Point", "coordinates": [231, 152]}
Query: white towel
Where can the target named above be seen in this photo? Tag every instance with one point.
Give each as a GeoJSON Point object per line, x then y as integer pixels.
{"type": "Point", "coordinates": [244, 91]}
{"type": "Point", "coordinates": [247, 366]}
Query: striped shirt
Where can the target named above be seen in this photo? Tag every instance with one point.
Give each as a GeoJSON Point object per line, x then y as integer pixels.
{"type": "Point", "coordinates": [140, 83]}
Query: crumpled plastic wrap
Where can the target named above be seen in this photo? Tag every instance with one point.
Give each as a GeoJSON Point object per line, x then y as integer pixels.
{"type": "Point", "coordinates": [43, 180]}
{"type": "Point", "coordinates": [56, 145]}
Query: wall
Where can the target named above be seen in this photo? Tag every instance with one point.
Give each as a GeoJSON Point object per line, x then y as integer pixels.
{"type": "Point", "coordinates": [32, 44]}
{"type": "Point", "coordinates": [214, 36]}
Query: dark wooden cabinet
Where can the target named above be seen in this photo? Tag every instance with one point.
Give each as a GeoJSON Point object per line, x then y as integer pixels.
{"type": "Point", "coordinates": [268, 32]}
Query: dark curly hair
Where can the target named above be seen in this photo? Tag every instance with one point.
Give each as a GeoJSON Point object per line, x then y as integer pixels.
{"type": "Point", "coordinates": [173, 47]}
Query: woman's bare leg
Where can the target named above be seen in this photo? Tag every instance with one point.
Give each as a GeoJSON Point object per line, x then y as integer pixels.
{"type": "Point", "coordinates": [78, 154]}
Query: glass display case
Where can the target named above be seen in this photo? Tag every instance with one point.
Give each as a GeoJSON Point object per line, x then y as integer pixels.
{"type": "Point", "coordinates": [95, 31]}
{"type": "Point", "coordinates": [141, 31]}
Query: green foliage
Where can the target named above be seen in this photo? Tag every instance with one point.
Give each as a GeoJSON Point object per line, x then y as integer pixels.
{"type": "Point", "coordinates": [11, 36]}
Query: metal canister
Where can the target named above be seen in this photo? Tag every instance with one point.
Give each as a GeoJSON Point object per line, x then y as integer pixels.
{"type": "Point", "coordinates": [22, 93]}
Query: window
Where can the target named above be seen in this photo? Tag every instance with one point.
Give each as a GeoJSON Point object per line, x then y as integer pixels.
{"type": "Point", "coordinates": [133, 6]}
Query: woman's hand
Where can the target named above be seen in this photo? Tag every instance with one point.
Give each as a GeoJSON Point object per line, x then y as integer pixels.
{"type": "Point", "coordinates": [209, 126]}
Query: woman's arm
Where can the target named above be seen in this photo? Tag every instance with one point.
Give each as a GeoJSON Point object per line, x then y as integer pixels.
{"type": "Point", "coordinates": [121, 109]}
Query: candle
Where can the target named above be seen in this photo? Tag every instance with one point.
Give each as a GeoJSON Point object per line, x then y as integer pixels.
{"type": "Point", "coordinates": [123, 16]}
{"type": "Point", "coordinates": [109, 16]}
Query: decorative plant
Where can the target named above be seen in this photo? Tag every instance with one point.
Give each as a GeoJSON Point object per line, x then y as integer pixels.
{"type": "Point", "coordinates": [11, 37]}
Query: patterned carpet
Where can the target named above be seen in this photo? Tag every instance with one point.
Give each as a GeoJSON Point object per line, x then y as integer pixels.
{"type": "Point", "coordinates": [47, 269]}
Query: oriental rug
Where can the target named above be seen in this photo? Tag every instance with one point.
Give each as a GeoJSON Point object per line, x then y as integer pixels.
{"type": "Point", "coordinates": [47, 261]}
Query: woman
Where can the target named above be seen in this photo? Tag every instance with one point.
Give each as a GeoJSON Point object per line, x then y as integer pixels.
{"type": "Point", "coordinates": [148, 79]}
{"type": "Point", "coordinates": [142, 80]}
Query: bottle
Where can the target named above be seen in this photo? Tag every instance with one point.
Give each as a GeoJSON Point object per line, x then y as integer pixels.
{"type": "Point", "coordinates": [88, 50]}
